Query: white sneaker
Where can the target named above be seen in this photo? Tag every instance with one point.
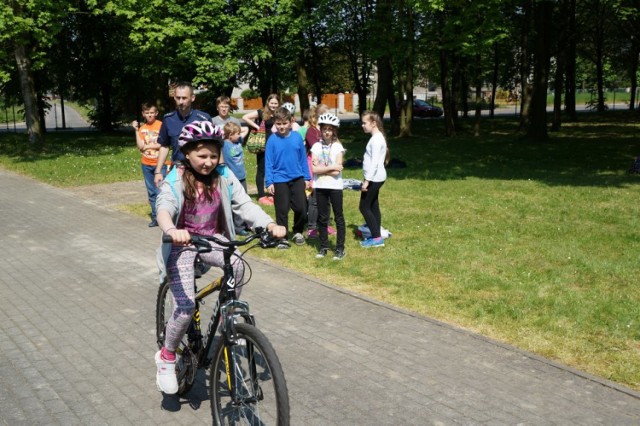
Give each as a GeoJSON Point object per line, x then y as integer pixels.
{"type": "Point", "coordinates": [166, 379]}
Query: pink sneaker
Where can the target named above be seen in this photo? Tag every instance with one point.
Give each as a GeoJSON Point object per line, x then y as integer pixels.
{"type": "Point", "coordinates": [331, 231]}
{"type": "Point", "coordinates": [312, 233]}
{"type": "Point", "coordinates": [267, 201]}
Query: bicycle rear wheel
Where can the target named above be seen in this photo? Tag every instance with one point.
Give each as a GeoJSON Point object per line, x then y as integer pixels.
{"type": "Point", "coordinates": [186, 360]}
{"type": "Point", "coordinates": [251, 389]}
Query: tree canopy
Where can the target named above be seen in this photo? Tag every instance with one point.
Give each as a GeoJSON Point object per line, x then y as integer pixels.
{"type": "Point", "coordinates": [116, 53]}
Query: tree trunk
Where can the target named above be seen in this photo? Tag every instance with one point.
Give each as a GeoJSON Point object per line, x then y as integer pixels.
{"type": "Point", "coordinates": [478, 104]}
{"type": "Point", "coordinates": [406, 102]}
{"type": "Point", "coordinates": [570, 67]}
{"type": "Point", "coordinates": [62, 112]}
{"type": "Point", "coordinates": [560, 66]}
{"type": "Point", "coordinates": [445, 82]}
{"type": "Point", "coordinates": [557, 94]}
{"type": "Point", "coordinates": [494, 80]}
{"type": "Point", "coordinates": [105, 119]}
{"type": "Point", "coordinates": [406, 81]}
{"type": "Point", "coordinates": [384, 85]}
{"type": "Point", "coordinates": [537, 129]}
{"type": "Point", "coordinates": [600, 76]}
{"type": "Point", "coordinates": [633, 73]}
{"type": "Point", "coordinates": [525, 65]}
{"type": "Point", "coordinates": [28, 94]}
{"type": "Point", "coordinates": [303, 83]}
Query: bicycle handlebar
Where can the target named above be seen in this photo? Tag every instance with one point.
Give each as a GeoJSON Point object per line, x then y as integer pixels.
{"type": "Point", "coordinates": [266, 240]}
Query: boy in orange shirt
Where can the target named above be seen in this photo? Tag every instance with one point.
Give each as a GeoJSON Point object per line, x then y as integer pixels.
{"type": "Point", "coordinates": [147, 142]}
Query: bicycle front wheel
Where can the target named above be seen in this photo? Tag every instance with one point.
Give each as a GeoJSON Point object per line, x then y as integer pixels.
{"type": "Point", "coordinates": [246, 382]}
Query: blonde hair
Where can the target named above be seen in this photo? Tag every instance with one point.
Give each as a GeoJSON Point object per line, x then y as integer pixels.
{"type": "Point", "coordinates": [231, 128]}
{"type": "Point", "coordinates": [266, 111]}
{"type": "Point", "coordinates": [312, 116]}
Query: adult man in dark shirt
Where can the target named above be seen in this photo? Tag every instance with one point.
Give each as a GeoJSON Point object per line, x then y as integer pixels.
{"type": "Point", "coordinates": [172, 124]}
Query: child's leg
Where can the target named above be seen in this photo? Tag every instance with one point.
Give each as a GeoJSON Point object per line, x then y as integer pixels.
{"type": "Point", "coordinates": [281, 203]}
{"type": "Point", "coordinates": [148, 173]}
{"type": "Point", "coordinates": [181, 276]}
{"type": "Point", "coordinates": [375, 205]}
{"type": "Point", "coordinates": [298, 205]}
{"type": "Point", "coordinates": [260, 174]}
{"type": "Point", "coordinates": [336, 203]}
{"type": "Point", "coordinates": [323, 216]}
{"type": "Point", "coordinates": [367, 199]}
{"type": "Point", "coordinates": [312, 211]}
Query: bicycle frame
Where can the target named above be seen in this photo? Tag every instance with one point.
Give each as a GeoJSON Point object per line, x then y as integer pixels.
{"type": "Point", "coordinates": [227, 306]}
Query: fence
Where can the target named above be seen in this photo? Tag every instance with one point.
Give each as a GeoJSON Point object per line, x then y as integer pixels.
{"type": "Point", "coordinates": [340, 102]}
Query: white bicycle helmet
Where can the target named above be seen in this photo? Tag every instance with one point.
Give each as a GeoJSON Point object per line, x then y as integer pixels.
{"type": "Point", "coordinates": [291, 107]}
{"type": "Point", "coordinates": [328, 118]}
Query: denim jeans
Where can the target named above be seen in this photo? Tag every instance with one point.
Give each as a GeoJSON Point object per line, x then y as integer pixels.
{"type": "Point", "coordinates": [148, 173]}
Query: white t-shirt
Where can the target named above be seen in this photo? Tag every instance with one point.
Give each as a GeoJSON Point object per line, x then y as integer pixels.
{"type": "Point", "coordinates": [327, 155]}
{"type": "Point", "coordinates": [373, 160]}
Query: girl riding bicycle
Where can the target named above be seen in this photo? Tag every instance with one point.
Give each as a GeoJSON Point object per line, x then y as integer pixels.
{"type": "Point", "coordinates": [201, 197]}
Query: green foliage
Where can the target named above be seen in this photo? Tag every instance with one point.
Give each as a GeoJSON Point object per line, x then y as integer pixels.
{"type": "Point", "coordinates": [249, 94]}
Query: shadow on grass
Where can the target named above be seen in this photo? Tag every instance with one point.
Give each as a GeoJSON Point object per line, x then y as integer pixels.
{"type": "Point", "coordinates": [596, 151]}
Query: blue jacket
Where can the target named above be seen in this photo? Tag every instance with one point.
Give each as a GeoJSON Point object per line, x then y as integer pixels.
{"type": "Point", "coordinates": [172, 124]}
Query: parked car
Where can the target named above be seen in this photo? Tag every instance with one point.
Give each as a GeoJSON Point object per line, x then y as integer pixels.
{"type": "Point", "coordinates": [425, 109]}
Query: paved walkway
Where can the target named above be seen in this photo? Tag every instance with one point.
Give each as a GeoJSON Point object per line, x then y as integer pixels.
{"type": "Point", "coordinates": [77, 295]}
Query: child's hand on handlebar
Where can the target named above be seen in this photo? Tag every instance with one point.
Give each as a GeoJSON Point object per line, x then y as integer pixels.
{"type": "Point", "coordinates": [277, 231]}
{"type": "Point", "coordinates": [180, 236]}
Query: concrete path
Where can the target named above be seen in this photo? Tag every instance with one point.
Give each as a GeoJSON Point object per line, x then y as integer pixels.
{"type": "Point", "coordinates": [77, 296]}
{"type": "Point", "coordinates": [53, 120]}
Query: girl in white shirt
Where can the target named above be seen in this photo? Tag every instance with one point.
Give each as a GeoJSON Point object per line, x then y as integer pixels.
{"type": "Point", "coordinates": [326, 158]}
{"type": "Point", "coordinates": [375, 158]}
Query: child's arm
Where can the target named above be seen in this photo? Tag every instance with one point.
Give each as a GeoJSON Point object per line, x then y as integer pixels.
{"type": "Point", "coordinates": [331, 170]}
{"type": "Point", "coordinates": [139, 141]}
{"type": "Point", "coordinates": [250, 118]}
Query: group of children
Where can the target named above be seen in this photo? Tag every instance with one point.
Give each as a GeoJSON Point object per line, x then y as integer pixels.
{"type": "Point", "coordinates": [205, 193]}
{"type": "Point", "coordinates": [300, 169]}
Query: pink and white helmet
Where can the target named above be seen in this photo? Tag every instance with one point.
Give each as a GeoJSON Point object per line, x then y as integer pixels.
{"type": "Point", "coordinates": [199, 131]}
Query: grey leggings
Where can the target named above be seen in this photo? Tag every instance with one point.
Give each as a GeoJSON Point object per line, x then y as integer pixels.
{"type": "Point", "coordinates": [181, 280]}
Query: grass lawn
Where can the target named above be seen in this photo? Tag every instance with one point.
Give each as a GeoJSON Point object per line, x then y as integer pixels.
{"type": "Point", "coordinates": [533, 244]}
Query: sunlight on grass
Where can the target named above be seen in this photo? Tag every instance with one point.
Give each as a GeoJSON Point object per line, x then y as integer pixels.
{"type": "Point", "coordinates": [533, 244]}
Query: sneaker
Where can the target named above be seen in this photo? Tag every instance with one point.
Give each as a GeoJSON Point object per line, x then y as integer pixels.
{"type": "Point", "coordinates": [312, 233]}
{"type": "Point", "coordinates": [298, 239]}
{"type": "Point", "coordinates": [242, 232]}
{"type": "Point", "coordinates": [373, 242]}
{"type": "Point", "coordinates": [283, 245]}
{"type": "Point", "coordinates": [166, 379]}
{"type": "Point", "coordinates": [267, 201]}
{"type": "Point", "coordinates": [153, 223]}
{"type": "Point", "coordinates": [331, 230]}
{"type": "Point", "coordinates": [322, 253]}
{"type": "Point", "coordinates": [339, 255]}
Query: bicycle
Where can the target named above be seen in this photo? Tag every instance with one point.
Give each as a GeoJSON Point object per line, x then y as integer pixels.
{"type": "Point", "coordinates": [246, 381]}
